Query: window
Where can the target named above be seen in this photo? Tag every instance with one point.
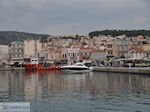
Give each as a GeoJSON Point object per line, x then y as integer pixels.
{"type": "Point", "coordinates": [12, 56]}
{"type": "Point", "coordinates": [140, 54]}
{"type": "Point", "coordinates": [46, 55]}
{"type": "Point", "coordinates": [136, 54]}
{"type": "Point", "coordinates": [73, 55]}
{"type": "Point", "coordinates": [109, 46]}
{"type": "Point", "coordinates": [20, 46]}
{"type": "Point", "coordinates": [110, 52]}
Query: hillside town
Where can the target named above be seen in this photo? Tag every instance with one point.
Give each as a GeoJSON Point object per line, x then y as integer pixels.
{"type": "Point", "coordinates": [55, 50]}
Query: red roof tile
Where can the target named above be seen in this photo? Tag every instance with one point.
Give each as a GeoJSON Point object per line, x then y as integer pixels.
{"type": "Point", "coordinates": [137, 49]}
{"type": "Point", "coordinates": [96, 51]}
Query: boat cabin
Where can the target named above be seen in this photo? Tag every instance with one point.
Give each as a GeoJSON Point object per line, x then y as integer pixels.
{"type": "Point", "coordinates": [34, 61]}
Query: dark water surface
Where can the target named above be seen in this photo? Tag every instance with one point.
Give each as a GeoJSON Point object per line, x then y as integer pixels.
{"type": "Point", "coordinates": [88, 92]}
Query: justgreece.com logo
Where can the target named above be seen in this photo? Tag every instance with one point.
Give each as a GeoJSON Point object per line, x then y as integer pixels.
{"type": "Point", "coordinates": [15, 107]}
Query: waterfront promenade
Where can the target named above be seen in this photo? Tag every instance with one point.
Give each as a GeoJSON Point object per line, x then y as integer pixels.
{"type": "Point", "coordinates": [132, 70]}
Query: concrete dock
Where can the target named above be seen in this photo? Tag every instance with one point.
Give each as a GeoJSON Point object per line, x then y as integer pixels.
{"type": "Point", "coordinates": [13, 69]}
{"type": "Point", "coordinates": [123, 70]}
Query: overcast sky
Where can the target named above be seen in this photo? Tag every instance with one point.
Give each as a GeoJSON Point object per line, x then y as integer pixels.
{"type": "Point", "coordinates": [60, 17]}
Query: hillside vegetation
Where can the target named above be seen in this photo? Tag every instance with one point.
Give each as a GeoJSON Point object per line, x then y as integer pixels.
{"type": "Point", "coordinates": [114, 33]}
{"type": "Point", "coordinates": [6, 37]}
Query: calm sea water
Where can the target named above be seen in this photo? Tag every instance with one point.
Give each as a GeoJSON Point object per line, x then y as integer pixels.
{"type": "Point", "coordinates": [75, 92]}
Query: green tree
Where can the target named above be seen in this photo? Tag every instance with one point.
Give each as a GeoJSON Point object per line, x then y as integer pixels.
{"type": "Point", "coordinates": [44, 39]}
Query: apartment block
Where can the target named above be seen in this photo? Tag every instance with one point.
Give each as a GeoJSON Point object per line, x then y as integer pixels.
{"type": "Point", "coordinates": [17, 51]}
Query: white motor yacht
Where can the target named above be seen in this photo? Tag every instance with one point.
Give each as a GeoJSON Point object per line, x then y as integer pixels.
{"type": "Point", "coordinates": [77, 66]}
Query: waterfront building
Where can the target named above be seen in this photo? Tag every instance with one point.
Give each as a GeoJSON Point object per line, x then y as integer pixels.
{"type": "Point", "coordinates": [72, 55]}
{"type": "Point", "coordinates": [85, 54]}
{"type": "Point", "coordinates": [4, 54]}
{"type": "Point", "coordinates": [110, 48]}
{"type": "Point", "coordinates": [137, 53]}
{"type": "Point", "coordinates": [146, 48]}
{"type": "Point", "coordinates": [98, 57]}
{"type": "Point", "coordinates": [64, 59]}
{"type": "Point", "coordinates": [17, 52]}
{"type": "Point", "coordinates": [50, 56]}
{"type": "Point", "coordinates": [31, 48]}
{"type": "Point", "coordinates": [122, 48]}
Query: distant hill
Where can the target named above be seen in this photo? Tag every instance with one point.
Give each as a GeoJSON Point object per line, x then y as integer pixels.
{"type": "Point", "coordinates": [6, 37]}
{"type": "Point", "coordinates": [113, 33]}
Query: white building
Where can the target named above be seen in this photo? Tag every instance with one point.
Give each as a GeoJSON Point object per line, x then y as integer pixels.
{"type": "Point", "coordinates": [64, 53]}
{"type": "Point", "coordinates": [72, 55]}
{"type": "Point", "coordinates": [31, 48]}
{"type": "Point", "coordinates": [137, 53]}
{"type": "Point", "coordinates": [98, 57]}
{"type": "Point", "coordinates": [50, 56]}
{"type": "Point", "coordinates": [17, 52]}
{"type": "Point", "coordinates": [122, 47]}
{"type": "Point", "coordinates": [4, 53]}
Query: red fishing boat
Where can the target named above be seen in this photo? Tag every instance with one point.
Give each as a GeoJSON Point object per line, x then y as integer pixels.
{"type": "Point", "coordinates": [34, 65]}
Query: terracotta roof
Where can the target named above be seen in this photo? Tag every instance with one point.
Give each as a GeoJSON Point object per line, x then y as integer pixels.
{"type": "Point", "coordinates": [96, 51]}
{"type": "Point", "coordinates": [137, 49]}
{"type": "Point", "coordinates": [146, 45]}
{"type": "Point", "coordinates": [51, 50]}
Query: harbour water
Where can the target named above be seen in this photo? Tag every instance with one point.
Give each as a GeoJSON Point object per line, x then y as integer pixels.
{"type": "Point", "coordinates": [76, 92]}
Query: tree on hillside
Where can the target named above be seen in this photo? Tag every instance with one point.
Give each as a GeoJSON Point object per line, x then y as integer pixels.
{"type": "Point", "coordinates": [114, 33]}
{"type": "Point", "coordinates": [44, 39]}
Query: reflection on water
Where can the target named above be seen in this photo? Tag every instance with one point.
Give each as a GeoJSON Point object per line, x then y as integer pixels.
{"type": "Point", "coordinates": [87, 92]}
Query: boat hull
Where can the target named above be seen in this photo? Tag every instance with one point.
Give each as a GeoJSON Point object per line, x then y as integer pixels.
{"type": "Point", "coordinates": [66, 71]}
{"type": "Point", "coordinates": [74, 68]}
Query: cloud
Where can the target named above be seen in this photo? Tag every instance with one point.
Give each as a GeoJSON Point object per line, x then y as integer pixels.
{"type": "Point", "coordinates": [73, 16]}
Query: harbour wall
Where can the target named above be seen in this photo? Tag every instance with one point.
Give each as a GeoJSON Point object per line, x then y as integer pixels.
{"type": "Point", "coordinates": [100, 69]}
{"type": "Point", "coordinates": [13, 69]}
{"type": "Point", "coordinates": [123, 70]}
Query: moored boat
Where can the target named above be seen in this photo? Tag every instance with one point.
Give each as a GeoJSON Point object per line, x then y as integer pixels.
{"type": "Point", "coordinates": [35, 65]}
{"type": "Point", "coordinates": [76, 67]}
